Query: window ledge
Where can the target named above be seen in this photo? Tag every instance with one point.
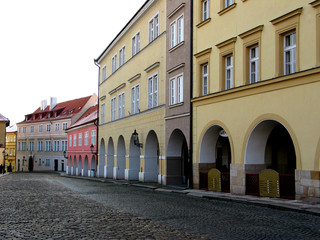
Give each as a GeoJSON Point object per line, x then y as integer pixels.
{"type": "Point", "coordinates": [176, 105]}
{"type": "Point", "coordinates": [203, 23]}
{"type": "Point", "coordinates": [223, 11]}
{"type": "Point", "coordinates": [176, 46]}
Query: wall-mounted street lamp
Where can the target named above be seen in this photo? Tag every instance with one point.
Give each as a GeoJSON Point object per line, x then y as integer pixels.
{"type": "Point", "coordinates": [65, 154]}
{"type": "Point", "coordinates": [92, 148]}
{"type": "Point", "coordinates": [136, 139]}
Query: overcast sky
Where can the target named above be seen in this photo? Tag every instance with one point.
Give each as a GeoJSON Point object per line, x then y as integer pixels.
{"type": "Point", "coordinates": [47, 48]}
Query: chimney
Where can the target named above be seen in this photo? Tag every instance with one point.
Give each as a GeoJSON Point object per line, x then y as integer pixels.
{"type": "Point", "coordinates": [53, 102]}
{"type": "Point", "coordinates": [43, 105]}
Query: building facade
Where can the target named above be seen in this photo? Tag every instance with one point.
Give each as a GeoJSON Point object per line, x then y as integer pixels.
{"type": "Point", "coordinates": [178, 93]}
{"type": "Point", "coordinates": [132, 98]}
{"type": "Point", "coordinates": [82, 145]}
{"type": "Point", "coordinates": [11, 147]}
{"type": "Point", "coordinates": [41, 137]}
{"type": "Point", "coordinates": [256, 83]}
{"type": "Point", "coordinates": [4, 122]}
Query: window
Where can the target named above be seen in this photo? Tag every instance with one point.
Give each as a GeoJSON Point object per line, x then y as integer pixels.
{"type": "Point", "coordinates": [176, 90]}
{"type": "Point", "coordinates": [39, 162]}
{"type": "Point", "coordinates": [70, 140]}
{"type": "Point", "coordinates": [57, 127]}
{"type": "Point", "coordinates": [289, 53]}
{"type": "Point", "coordinates": [229, 71]}
{"type": "Point", "coordinates": [75, 140]}
{"type": "Point", "coordinates": [93, 137]}
{"type": "Point", "coordinates": [24, 129]}
{"type": "Point", "coordinates": [40, 128]}
{"type": "Point", "coordinates": [103, 106]}
{"type": "Point", "coordinates": [80, 139]}
{"type": "Point", "coordinates": [64, 126]}
{"type": "Point", "coordinates": [114, 63]}
{"type": "Point", "coordinates": [228, 3]}
{"type": "Point", "coordinates": [205, 10]}
{"type": "Point", "coordinates": [47, 162]}
{"type": "Point", "coordinates": [122, 56]}
{"type": "Point", "coordinates": [64, 145]}
{"type": "Point", "coordinates": [31, 146]}
{"type": "Point", "coordinates": [31, 129]}
{"type": "Point", "coordinates": [48, 146]}
{"type": "Point", "coordinates": [40, 146]}
{"type": "Point", "coordinates": [121, 105]}
{"type": "Point", "coordinates": [48, 128]}
{"type": "Point", "coordinates": [56, 146]}
{"type": "Point", "coordinates": [136, 44]}
{"type": "Point", "coordinates": [254, 64]}
{"type": "Point", "coordinates": [86, 138]}
{"type": "Point", "coordinates": [205, 79]}
{"type": "Point", "coordinates": [154, 28]}
{"type": "Point", "coordinates": [113, 108]}
{"type": "Point", "coordinates": [177, 31]}
{"type": "Point", "coordinates": [135, 99]}
{"type": "Point", "coordinates": [23, 146]}
{"type": "Point", "coordinates": [153, 91]}
{"type": "Point", "coordinates": [104, 73]}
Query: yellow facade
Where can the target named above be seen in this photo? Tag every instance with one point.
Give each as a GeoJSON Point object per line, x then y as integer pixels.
{"type": "Point", "coordinates": [119, 157]}
{"type": "Point", "coordinates": [11, 144]}
{"type": "Point", "coordinates": [279, 100]}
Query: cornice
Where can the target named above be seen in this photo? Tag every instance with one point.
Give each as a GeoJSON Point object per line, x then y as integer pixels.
{"type": "Point", "coordinates": [226, 42]}
{"type": "Point", "coordinates": [176, 10]}
{"type": "Point", "coordinates": [291, 14]}
{"type": "Point", "coordinates": [206, 51]}
{"type": "Point", "coordinates": [251, 31]}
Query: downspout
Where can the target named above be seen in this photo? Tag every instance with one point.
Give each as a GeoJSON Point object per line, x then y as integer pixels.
{"type": "Point", "coordinates": [97, 135]}
{"type": "Point", "coordinates": [191, 95]}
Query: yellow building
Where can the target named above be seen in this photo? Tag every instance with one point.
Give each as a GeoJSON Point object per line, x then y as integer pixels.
{"type": "Point", "coordinates": [256, 83]}
{"type": "Point", "coordinates": [11, 145]}
{"type": "Point", "coordinates": [132, 98]}
{"type": "Point", "coordinates": [4, 122]}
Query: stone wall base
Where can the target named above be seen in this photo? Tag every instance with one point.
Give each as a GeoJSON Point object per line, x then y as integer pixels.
{"type": "Point", "coordinates": [237, 179]}
{"type": "Point", "coordinates": [307, 185]}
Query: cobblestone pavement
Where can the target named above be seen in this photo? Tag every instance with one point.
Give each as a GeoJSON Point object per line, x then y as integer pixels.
{"type": "Point", "coordinates": [47, 206]}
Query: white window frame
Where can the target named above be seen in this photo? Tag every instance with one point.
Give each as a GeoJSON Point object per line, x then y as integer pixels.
{"type": "Point", "coordinates": [80, 140]}
{"type": "Point", "coordinates": [70, 140]}
{"type": "Point", "coordinates": [114, 63]}
{"type": "Point", "coordinates": [93, 137]}
{"type": "Point", "coordinates": [228, 3]}
{"type": "Point", "coordinates": [48, 127]}
{"type": "Point", "coordinates": [40, 146]}
{"type": "Point", "coordinates": [113, 108]}
{"type": "Point", "coordinates": [154, 23]}
{"type": "Point", "coordinates": [86, 138]}
{"type": "Point", "coordinates": [254, 63]}
{"type": "Point", "coordinates": [121, 102]}
{"type": "Point", "coordinates": [122, 55]}
{"type": "Point", "coordinates": [57, 127]}
{"type": "Point", "coordinates": [64, 145]}
{"type": "Point", "coordinates": [176, 89]}
{"type": "Point", "coordinates": [40, 128]}
{"type": "Point", "coordinates": [153, 86]}
{"type": "Point", "coordinates": [205, 79]}
{"type": "Point", "coordinates": [136, 43]}
{"type": "Point", "coordinates": [228, 71]}
{"type": "Point", "coordinates": [289, 53]}
{"type": "Point", "coordinates": [31, 129]}
{"type": "Point", "coordinates": [104, 72]}
{"type": "Point", "coordinates": [48, 146]}
{"type": "Point", "coordinates": [205, 10]}
{"type": "Point", "coordinates": [135, 99]}
{"type": "Point", "coordinates": [177, 31]}
{"type": "Point", "coordinates": [75, 140]}
{"type": "Point", "coordinates": [64, 126]}
{"type": "Point", "coordinates": [56, 146]}
{"type": "Point", "coordinates": [47, 162]}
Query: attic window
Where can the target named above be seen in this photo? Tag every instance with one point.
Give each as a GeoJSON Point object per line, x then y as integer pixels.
{"type": "Point", "coordinates": [71, 111]}
{"type": "Point", "coordinates": [65, 112]}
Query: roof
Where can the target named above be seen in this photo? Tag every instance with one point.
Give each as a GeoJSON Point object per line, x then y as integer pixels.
{"type": "Point", "coordinates": [12, 128]}
{"type": "Point", "coordinates": [3, 118]}
{"type": "Point", "coordinates": [91, 115]}
{"type": "Point", "coordinates": [61, 111]}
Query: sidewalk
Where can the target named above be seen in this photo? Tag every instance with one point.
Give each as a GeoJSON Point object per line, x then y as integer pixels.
{"type": "Point", "coordinates": [279, 203]}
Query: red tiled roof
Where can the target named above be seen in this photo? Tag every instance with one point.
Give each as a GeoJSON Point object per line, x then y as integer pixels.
{"type": "Point", "coordinates": [62, 110]}
{"type": "Point", "coordinates": [89, 116]}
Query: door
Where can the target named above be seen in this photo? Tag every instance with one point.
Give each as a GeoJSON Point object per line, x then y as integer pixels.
{"type": "Point", "coordinates": [56, 162]}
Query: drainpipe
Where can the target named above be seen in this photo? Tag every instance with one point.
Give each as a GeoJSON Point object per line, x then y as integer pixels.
{"type": "Point", "coordinates": [191, 95]}
{"type": "Point", "coordinates": [97, 135]}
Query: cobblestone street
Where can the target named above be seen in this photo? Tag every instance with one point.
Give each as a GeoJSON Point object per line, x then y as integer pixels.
{"type": "Point", "coordinates": [47, 206]}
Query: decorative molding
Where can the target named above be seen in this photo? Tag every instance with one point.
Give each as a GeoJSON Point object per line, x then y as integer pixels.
{"type": "Point", "coordinates": [226, 42]}
{"type": "Point", "coordinates": [176, 46]}
{"type": "Point", "coordinates": [206, 51]}
{"type": "Point", "coordinates": [176, 10]}
{"type": "Point", "coordinates": [117, 88]}
{"type": "Point", "coordinates": [181, 65]}
{"type": "Point", "coordinates": [315, 4]}
{"type": "Point", "coordinates": [251, 31]}
{"type": "Point", "coordinates": [134, 78]}
{"type": "Point", "coordinates": [203, 23]}
{"type": "Point", "coordinates": [153, 66]}
{"type": "Point", "coordinates": [286, 16]}
{"type": "Point", "coordinates": [223, 11]}
{"type": "Point", "coordinates": [103, 98]}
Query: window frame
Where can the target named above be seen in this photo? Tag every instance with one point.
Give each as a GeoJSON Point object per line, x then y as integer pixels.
{"type": "Point", "coordinates": [114, 63]}
{"type": "Point", "coordinates": [176, 89]}
{"type": "Point", "coordinates": [135, 100]}
{"type": "Point", "coordinates": [122, 55]}
{"type": "Point", "coordinates": [153, 90]}
{"type": "Point", "coordinates": [176, 35]}
{"type": "Point", "coordinates": [228, 78]}
{"type": "Point", "coordinates": [205, 79]}
{"type": "Point", "coordinates": [154, 27]}
{"type": "Point", "coordinates": [205, 13]}
{"type": "Point", "coordinates": [289, 51]}
{"type": "Point", "coordinates": [255, 60]}
{"type": "Point", "coordinates": [135, 43]}
{"type": "Point", "coordinates": [113, 108]}
{"type": "Point", "coordinates": [121, 105]}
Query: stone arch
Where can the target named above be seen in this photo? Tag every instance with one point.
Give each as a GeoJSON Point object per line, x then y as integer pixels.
{"type": "Point", "coordinates": [80, 166]}
{"type": "Point", "coordinates": [74, 166]}
{"type": "Point", "coordinates": [85, 166]}
{"type": "Point", "coordinates": [134, 161]}
{"type": "Point", "coordinates": [102, 159]}
{"type": "Point", "coordinates": [110, 159]}
{"type": "Point", "coordinates": [119, 171]}
{"type": "Point", "coordinates": [151, 158]}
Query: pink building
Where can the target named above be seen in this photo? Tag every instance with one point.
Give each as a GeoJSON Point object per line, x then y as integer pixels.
{"type": "Point", "coordinates": [82, 145]}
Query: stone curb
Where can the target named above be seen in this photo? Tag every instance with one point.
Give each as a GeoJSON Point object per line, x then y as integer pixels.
{"type": "Point", "coordinates": [283, 204]}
